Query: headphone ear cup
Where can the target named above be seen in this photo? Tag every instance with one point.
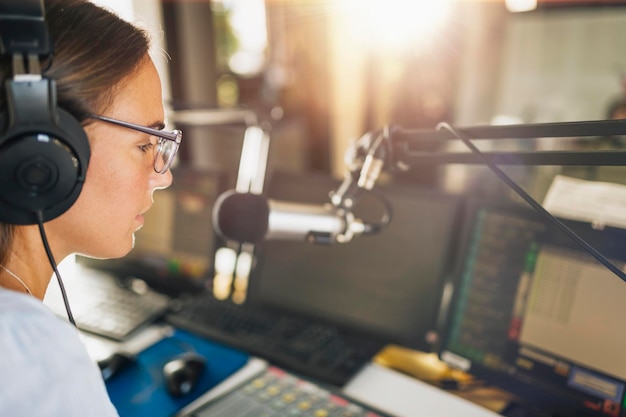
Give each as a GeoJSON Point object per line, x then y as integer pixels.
{"type": "Point", "coordinates": [42, 170]}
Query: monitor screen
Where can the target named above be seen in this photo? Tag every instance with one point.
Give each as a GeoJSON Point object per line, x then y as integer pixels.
{"type": "Point", "coordinates": [535, 314]}
{"type": "Point", "coordinates": [386, 285]}
{"type": "Point", "coordinates": [174, 250]}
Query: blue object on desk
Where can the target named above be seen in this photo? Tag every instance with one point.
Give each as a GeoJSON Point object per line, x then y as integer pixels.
{"type": "Point", "coordinates": [140, 389]}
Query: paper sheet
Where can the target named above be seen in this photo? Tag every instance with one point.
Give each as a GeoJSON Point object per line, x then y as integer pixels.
{"type": "Point", "coordinates": [599, 203]}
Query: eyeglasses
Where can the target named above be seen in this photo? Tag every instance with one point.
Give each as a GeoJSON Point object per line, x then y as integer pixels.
{"type": "Point", "coordinates": [166, 147]}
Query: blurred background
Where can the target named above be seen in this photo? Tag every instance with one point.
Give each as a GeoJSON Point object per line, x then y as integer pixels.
{"type": "Point", "coordinates": [305, 79]}
{"type": "Point", "coordinates": [320, 73]}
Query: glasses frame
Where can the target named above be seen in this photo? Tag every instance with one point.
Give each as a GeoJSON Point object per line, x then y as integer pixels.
{"type": "Point", "coordinates": [175, 136]}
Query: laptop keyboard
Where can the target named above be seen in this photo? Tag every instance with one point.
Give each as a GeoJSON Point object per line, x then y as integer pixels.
{"type": "Point", "coordinates": [276, 393]}
{"type": "Point", "coordinates": [317, 350]}
{"type": "Point", "coordinates": [102, 306]}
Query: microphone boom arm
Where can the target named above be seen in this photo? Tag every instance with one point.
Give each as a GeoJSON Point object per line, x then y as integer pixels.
{"type": "Point", "coordinates": [400, 148]}
{"type": "Point", "coordinates": [404, 144]}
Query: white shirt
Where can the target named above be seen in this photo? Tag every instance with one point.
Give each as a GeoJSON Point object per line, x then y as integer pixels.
{"type": "Point", "coordinates": [45, 369]}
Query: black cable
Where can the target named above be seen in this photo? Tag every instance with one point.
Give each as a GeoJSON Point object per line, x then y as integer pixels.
{"type": "Point", "coordinates": [46, 246]}
{"type": "Point", "coordinates": [532, 202]}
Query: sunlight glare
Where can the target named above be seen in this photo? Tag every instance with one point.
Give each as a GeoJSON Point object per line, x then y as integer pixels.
{"type": "Point", "coordinates": [520, 5]}
{"type": "Point", "coordinates": [248, 22]}
{"type": "Point", "coordinates": [398, 23]}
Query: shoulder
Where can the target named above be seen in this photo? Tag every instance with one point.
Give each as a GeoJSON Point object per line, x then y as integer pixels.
{"type": "Point", "coordinates": [44, 360]}
{"type": "Point", "coordinates": [28, 327]}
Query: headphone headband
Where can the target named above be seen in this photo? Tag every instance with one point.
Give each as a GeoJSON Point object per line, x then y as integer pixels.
{"type": "Point", "coordinates": [23, 28]}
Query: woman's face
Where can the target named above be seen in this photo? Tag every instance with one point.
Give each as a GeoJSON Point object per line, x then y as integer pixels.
{"type": "Point", "coordinates": [120, 177]}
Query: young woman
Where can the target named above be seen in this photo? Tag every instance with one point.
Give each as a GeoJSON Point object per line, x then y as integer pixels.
{"type": "Point", "coordinates": [107, 80]}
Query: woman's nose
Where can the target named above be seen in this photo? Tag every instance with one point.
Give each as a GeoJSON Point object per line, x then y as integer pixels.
{"type": "Point", "coordinates": [163, 180]}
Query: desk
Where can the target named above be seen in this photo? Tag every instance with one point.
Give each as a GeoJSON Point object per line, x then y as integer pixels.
{"type": "Point", "coordinates": [376, 385]}
{"type": "Point", "coordinates": [404, 396]}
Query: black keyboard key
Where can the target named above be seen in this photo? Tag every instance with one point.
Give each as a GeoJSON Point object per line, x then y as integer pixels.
{"type": "Point", "coordinates": [311, 348]}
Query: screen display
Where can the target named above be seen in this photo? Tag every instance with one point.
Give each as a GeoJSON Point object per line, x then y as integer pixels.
{"type": "Point", "coordinates": [387, 284]}
{"type": "Point", "coordinates": [176, 246]}
{"type": "Point", "coordinates": [537, 315]}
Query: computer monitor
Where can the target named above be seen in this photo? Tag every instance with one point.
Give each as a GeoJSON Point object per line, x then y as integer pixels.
{"type": "Point", "coordinates": [174, 251]}
{"type": "Point", "coordinates": [385, 285]}
{"type": "Point", "coordinates": [535, 314]}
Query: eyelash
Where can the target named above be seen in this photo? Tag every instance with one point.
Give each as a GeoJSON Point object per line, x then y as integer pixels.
{"type": "Point", "coordinates": [145, 148]}
{"type": "Point", "coordinates": [149, 146]}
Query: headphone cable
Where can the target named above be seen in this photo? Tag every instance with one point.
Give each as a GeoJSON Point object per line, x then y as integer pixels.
{"type": "Point", "coordinates": [46, 246]}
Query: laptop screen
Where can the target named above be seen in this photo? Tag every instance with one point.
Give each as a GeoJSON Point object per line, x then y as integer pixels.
{"type": "Point", "coordinates": [387, 285]}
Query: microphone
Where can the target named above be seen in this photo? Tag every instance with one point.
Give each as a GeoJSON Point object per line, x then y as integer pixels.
{"type": "Point", "coordinates": [252, 218]}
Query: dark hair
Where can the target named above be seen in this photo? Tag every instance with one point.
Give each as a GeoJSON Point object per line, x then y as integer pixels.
{"type": "Point", "coordinates": [94, 51]}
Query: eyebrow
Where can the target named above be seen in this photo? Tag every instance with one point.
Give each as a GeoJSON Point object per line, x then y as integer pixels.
{"type": "Point", "coordinates": [157, 125]}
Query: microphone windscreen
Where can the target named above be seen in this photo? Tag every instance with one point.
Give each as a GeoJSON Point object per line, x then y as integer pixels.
{"type": "Point", "coordinates": [242, 217]}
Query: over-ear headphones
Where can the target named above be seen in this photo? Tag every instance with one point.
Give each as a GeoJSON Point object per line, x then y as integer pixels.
{"type": "Point", "coordinates": [44, 150]}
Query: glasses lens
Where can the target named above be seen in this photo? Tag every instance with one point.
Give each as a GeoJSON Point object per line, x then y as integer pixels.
{"type": "Point", "coordinates": [165, 153]}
